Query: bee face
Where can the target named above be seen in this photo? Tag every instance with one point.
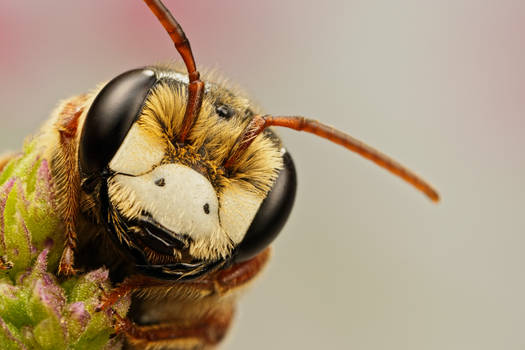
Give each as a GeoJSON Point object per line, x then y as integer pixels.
{"type": "Point", "coordinates": [174, 206]}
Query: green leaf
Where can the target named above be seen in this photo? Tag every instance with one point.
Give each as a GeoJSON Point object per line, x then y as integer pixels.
{"type": "Point", "coordinates": [10, 338]}
{"type": "Point", "coordinates": [17, 238]}
{"type": "Point", "coordinates": [37, 312]}
{"type": "Point", "coordinates": [13, 305]}
{"type": "Point", "coordinates": [50, 335]}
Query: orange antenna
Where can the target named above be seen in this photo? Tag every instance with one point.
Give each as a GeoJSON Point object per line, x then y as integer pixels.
{"type": "Point", "coordinates": [182, 44]}
{"type": "Point", "coordinates": [259, 123]}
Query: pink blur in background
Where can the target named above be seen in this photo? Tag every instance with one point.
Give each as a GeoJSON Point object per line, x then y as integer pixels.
{"type": "Point", "coordinates": [365, 262]}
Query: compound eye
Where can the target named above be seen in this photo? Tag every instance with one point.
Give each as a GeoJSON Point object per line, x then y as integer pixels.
{"type": "Point", "coordinates": [272, 213]}
{"type": "Point", "coordinates": [114, 110]}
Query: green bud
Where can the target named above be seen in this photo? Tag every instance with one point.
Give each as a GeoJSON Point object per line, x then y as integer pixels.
{"type": "Point", "coordinates": [36, 310]}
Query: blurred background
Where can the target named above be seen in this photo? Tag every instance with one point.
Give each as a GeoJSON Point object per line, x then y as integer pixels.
{"type": "Point", "coordinates": [365, 262]}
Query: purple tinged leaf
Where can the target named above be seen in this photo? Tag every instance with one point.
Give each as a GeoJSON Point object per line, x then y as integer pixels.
{"type": "Point", "coordinates": [27, 234]}
{"type": "Point", "coordinates": [50, 294]}
{"type": "Point", "coordinates": [46, 288]}
{"type": "Point", "coordinates": [44, 184]}
{"type": "Point", "coordinates": [21, 192]}
{"type": "Point", "coordinates": [23, 276]}
{"type": "Point", "coordinates": [89, 286]}
{"type": "Point", "coordinates": [39, 268]}
{"type": "Point", "coordinates": [5, 189]}
{"type": "Point", "coordinates": [8, 291]}
{"type": "Point", "coordinates": [97, 276]}
{"type": "Point", "coordinates": [40, 265]}
{"type": "Point", "coordinates": [11, 336]}
{"type": "Point", "coordinates": [78, 312]}
{"type": "Point", "coordinates": [4, 193]}
{"type": "Point", "coordinates": [35, 162]}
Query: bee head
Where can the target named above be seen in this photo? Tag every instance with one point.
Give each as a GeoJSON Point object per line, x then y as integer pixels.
{"type": "Point", "coordinates": [187, 174]}
{"type": "Point", "coordinates": [175, 206]}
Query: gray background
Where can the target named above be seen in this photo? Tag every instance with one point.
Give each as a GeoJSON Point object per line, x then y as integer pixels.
{"type": "Point", "coordinates": [365, 262]}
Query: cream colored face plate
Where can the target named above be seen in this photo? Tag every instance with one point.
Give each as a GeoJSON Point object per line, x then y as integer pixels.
{"type": "Point", "coordinates": [238, 208]}
{"type": "Point", "coordinates": [185, 203]}
{"type": "Point", "coordinates": [178, 197]}
{"type": "Point", "coordinates": [138, 154]}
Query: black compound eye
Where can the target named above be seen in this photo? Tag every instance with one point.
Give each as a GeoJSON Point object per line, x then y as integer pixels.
{"type": "Point", "coordinates": [272, 213]}
{"type": "Point", "coordinates": [114, 110]}
{"type": "Point", "coordinates": [224, 111]}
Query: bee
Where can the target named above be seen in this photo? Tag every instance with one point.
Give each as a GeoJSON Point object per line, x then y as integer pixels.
{"type": "Point", "coordinates": [179, 185]}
